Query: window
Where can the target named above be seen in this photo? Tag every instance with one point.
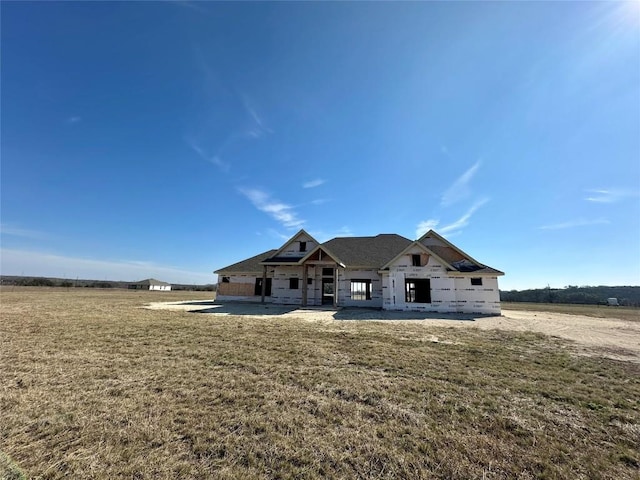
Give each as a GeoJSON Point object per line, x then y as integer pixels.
{"type": "Point", "coordinates": [418, 291]}
{"type": "Point", "coordinates": [293, 283]}
{"type": "Point", "coordinates": [225, 279]}
{"type": "Point", "coordinates": [415, 259]}
{"type": "Point", "coordinates": [360, 289]}
{"type": "Point", "coordinates": [303, 246]}
{"type": "Point", "coordinates": [309, 281]}
{"type": "Point", "coordinates": [258, 287]}
{"type": "Point", "coordinates": [476, 281]}
{"type": "Point", "coordinates": [327, 272]}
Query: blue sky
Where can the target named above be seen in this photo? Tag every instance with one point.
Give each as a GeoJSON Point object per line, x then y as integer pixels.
{"type": "Point", "coordinates": [171, 139]}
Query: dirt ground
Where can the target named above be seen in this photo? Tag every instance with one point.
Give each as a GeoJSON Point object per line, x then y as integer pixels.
{"type": "Point", "coordinates": [607, 337]}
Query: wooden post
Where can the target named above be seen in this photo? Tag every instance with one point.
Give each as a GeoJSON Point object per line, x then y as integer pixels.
{"type": "Point", "coordinates": [264, 282]}
{"type": "Point", "coordinates": [305, 274]}
{"type": "Point", "coordinates": [335, 287]}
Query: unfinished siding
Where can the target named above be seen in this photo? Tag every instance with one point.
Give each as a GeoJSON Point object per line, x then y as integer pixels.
{"type": "Point", "coordinates": [344, 287]}
{"type": "Point", "coordinates": [483, 298]}
{"type": "Point", "coordinates": [448, 293]}
{"type": "Point", "coordinates": [442, 290]}
{"type": "Point", "coordinates": [298, 247]}
{"type": "Point", "coordinates": [240, 288]}
{"type": "Point", "coordinates": [282, 292]}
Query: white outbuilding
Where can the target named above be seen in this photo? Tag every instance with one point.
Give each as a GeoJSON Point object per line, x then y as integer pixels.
{"type": "Point", "coordinates": [151, 284]}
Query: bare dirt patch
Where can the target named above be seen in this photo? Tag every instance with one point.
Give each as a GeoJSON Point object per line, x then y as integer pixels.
{"type": "Point", "coordinates": [608, 337]}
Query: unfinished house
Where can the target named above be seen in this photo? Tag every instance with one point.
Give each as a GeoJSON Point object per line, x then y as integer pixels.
{"type": "Point", "coordinates": [387, 271]}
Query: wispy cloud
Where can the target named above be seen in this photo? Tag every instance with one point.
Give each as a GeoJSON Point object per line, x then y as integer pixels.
{"type": "Point", "coordinates": [575, 223]}
{"type": "Point", "coordinates": [14, 231]}
{"type": "Point", "coordinates": [74, 119]}
{"type": "Point", "coordinates": [610, 195]}
{"type": "Point", "coordinates": [426, 225]}
{"type": "Point", "coordinates": [241, 121]}
{"type": "Point", "coordinates": [23, 262]}
{"type": "Point", "coordinates": [319, 201]}
{"type": "Point", "coordinates": [460, 189]}
{"type": "Point", "coordinates": [451, 228]}
{"type": "Point", "coordinates": [213, 159]}
{"type": "Point", "coordinates": [463, 221]}
{"type": "Point", "coordinates": [313, 183]}
{"type": "Point", "coordinates": [283, 213]}
{"type": "Point", "coordinates": [258, 128]}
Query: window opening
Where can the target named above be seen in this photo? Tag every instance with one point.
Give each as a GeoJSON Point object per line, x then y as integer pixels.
{"type": "Point", "coordinates": [360, 289]}
{"type": "Point", "coordinates": [258, 287]}
{"type": "Point", "coordinates": [418, 291]}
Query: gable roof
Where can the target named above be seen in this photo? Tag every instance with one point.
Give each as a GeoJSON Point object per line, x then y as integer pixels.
{"type": "Point", "coordinates": [368, 252]}
{"type": "Point", "coordinates": [422, 247]}
{"type": "Point", "coordinates": [280, 257]}
{"type": "Point", "coordinates": [252, 264]}
{"type": "Point", "coordinates": [456, 258]}
{"type": "Point", "coordinates": [151, 281]}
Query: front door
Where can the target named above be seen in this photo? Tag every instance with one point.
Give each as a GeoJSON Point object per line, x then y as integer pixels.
{"type": "Point", "coordinates": [327, 291]}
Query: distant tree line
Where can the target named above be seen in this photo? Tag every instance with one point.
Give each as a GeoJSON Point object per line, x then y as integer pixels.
{"type": "Point", "coordinates": [627, 296]}
{"type": "Point", "coordinates": [65, 282]}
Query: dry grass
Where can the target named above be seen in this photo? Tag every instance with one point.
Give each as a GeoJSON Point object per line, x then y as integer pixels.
{"type": "Point", "coordinates": [93, 387]}
{"type": "Point", "coordinates": [599, 311]}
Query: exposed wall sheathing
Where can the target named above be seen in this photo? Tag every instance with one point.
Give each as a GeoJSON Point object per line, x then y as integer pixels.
{"type": "Point", "coordinates": [449, 293]}
{"type": "Point", "coordinates": [240, 288]}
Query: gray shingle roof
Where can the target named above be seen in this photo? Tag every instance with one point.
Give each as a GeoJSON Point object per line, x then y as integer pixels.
{"type": "Point", "coordinates": [249, 265]}
{"type": "Point", "coordinates": [371, 252]}
{"type": "Point", "coordinates": [152, 281]}
{"type": "Point", "coordinates": [367, 252]}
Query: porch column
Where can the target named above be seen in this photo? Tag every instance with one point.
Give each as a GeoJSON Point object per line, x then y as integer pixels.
{"type": "Point", "coordinates": [335, 287]}
{"type": "Point", "coordinates": [305, 273]}
{"type": "Point", "coordinates": [264, 282]}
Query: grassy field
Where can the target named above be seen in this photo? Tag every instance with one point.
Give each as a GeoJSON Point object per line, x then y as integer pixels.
{"type": "Point", "coordinates": [92, 386]}
{"type": "Point", "coordinates": [600, 311]}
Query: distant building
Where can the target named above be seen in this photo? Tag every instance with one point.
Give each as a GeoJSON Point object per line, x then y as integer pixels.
{"type": "Point", "coordinates": [150, 284]}
{"type": "Point", "coordinates": [387, 271]}
{"type": "Point", "coordinates": [613, 302]}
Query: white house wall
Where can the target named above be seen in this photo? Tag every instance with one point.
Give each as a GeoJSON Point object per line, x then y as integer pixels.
{"type": "Point", "coordinates": [280, 291]}
{"type": "Point", "coordinates": [160, 288]}
{"type": "Point", "coordinates": [443, 295]}
{"type": "Point", "coordinates": [344, 287]}
{"type": "Point", "coordinates": [483, 298]}
{"type": "Point", "coordinates": [448, 294]}
{"type": "Point", "coordinates": [293, 249]}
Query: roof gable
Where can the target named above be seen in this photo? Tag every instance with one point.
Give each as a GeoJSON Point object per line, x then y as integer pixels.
{"type": "Point", "coordinates": [456, 258]}
{"type": "Point", "coordinates": [292, 251]}
{"type": "Point", "coordinates": [421, 246]}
